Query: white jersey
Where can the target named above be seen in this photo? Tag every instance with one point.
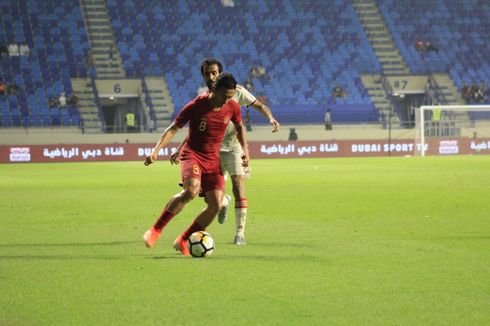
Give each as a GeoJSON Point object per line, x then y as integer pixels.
{"type": "Point", "coordinates": [230, 141]}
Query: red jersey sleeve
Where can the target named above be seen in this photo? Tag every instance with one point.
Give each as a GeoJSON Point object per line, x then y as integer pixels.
{"type": "Point", "coordinates": [184, 115]}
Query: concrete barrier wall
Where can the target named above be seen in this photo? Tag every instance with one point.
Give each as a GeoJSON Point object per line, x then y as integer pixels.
{"type": "Point", "coordinates": [47, 136]}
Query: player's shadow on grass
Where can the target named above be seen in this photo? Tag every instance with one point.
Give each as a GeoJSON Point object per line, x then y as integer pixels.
{"type": "Point", "coordinates": [282, 244]}
{"type": "Point", "coordinates": [166, 257]}
{"type": "Point", "coordinates": [73, 244]}
{"type": "Point", "coordinates": [65, 255]}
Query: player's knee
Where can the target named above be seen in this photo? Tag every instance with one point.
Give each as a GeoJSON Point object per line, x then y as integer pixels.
{"type": "Point", "coordinates": [214, 207]}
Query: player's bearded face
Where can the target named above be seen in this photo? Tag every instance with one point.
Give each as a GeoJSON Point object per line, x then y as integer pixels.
{"type": "Point", "coordinates": [210, 75]}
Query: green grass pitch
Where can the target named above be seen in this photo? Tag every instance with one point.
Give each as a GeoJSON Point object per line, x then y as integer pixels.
{"type": "Point", "coordinates": [368, 241]}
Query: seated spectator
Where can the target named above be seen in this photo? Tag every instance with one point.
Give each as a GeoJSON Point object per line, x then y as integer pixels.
{"type": "Point", "coordinates": [3, 50]}
{"type": "Point", "coordinates": [3, 88]}
{"type": "Point", "coordinates": [253, 73]}
{"type": "Point", "coordinates": [338, 91]}
{"type": "Point", "coordinates": [420, 45]}
{"type": "Point", "coordinates": [53, 102]}
{"type": "Point", "coordinates": [473, 92]}
{"type": "Point", "coordinates": [262, 73]}
{"type": "Point", "coordinates": [479, 95]}
{"type": "Point", "coordinates": [62, 99]}
{"type": "Point", "coordinates": [429, 46]}
{"type": "Point", "coordinates": [24, 49]}
{"type": "Point", "coordinates": [465, 92]}
{"type": "Point", "coordinates": [13, 89]}
{"type": "Point", "coordinates": [249, 85]}
{"type": "Point", "coordinates": [72, 100]}
{"type": "Point", "coordinates": [13, 50]}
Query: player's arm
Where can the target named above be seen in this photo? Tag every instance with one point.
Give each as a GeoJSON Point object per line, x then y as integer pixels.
{"type": "Point", "coordinates": [175, 157]}
{"type": "Point", "coordinates": [266, 113]}
{"type": "Point", "coordinates": [165, 138]}
{"type": "Point", "coordinates": [242, 139]}
{"type": "Point", "coordinates": [247, 99]}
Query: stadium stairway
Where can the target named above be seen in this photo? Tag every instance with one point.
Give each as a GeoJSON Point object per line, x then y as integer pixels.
{"type": "Point", "coordinates": [105, 56]}
{"type": "Point", "coordinates": [450, 94]}
{"type": "Point", "coordinates": [386, 51]}
{"type": "Point", "coordinates": [378, 95]}
{"type": "Point", "coordinates": [161, 101]}
{"type": "Point", "coordinates": [89, 113]}
{"type": "Point", "coordinates": [459, 29]}
{"type": "Point", "coordinates": [379, 36]}
{"type": "Point", "coordinates": [446, 86]}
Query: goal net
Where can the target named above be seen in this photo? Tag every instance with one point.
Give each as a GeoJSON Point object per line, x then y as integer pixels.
{"type": "Point", "coordinates": [449, 122]}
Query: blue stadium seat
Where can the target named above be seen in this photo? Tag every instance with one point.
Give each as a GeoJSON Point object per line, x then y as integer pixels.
{"type": "Point", "coordinates": [46, 27]}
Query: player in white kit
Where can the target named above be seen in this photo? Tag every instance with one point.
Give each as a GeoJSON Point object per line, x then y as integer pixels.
{"type": "Point", "coordinates": [231, 151]}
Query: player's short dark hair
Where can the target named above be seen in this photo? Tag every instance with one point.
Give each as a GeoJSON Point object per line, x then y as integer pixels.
{"type": "Point", "coordinates": [211, 61]}
{"type": "Point", "coordinates": [225, 80]}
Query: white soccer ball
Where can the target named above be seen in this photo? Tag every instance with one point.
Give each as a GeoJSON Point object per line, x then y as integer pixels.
{"type": "Point", "coordinates": [201, 244]}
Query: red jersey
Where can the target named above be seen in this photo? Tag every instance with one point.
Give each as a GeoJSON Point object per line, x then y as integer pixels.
{"type": "Point", "coordinates": [206, 130]}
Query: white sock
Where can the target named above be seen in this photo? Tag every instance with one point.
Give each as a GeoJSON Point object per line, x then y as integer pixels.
{"type": "Point", "coordinates": [226, 201]}
{"type": "Point", "coordinates": [240, 221]}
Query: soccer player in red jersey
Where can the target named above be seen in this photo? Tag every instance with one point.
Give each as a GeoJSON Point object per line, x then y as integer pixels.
{"type": "Point", "coordinates": [230, 150]}
{"type": "Point", "coordinates": [208, 116]}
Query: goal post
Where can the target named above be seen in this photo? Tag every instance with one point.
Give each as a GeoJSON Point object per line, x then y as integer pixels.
{"type": "Point", "coordinates": [449, 121]}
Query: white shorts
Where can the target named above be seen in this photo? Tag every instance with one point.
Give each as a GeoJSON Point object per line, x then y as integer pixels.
{"type": "Point", "coordinates": [231, 162]}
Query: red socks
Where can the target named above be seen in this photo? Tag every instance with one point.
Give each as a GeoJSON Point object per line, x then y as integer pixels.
{"type": "Point", "coordinates": [241, 203]}
{"type": "Point", "coordinates": [163, 220]}
{"type": "Point", "coordinates": [194, 227]}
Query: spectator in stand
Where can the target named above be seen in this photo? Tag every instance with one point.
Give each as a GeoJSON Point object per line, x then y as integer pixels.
{"type": "Point", "coordinates": [473, 92]}
{"type": "Point", "coordinates": [262, 73]}
{"type": "Point", "coordinates": [13, 50]}
{"type": "Point", "coordinates": [429, 46]}
{"type": "Point", "coordinates": [487, 93]}
{"type": "Point", "coordinates": [338, 91]}
{"type": "Point", "coordinates": [13, 89]}
{"type": "Point", "coordinates": [465, 92]}
{"type": "Point", "coordinates": [24, 49]}
{"type": "Point", "coordinates": [62, 99]}
{"type": "Point", "coordinates": [254, 72]}
{"type": "Point", "coordinates": [420, 45]}
{"type": "Point", "coordinates": [111, 53]}
{"type": "Point", "coordinates": [482, 90]}
{"type": "Point", "coordinates": [249, 85]}
{"type": "Point", "coordinates": [3, 88]}
{"type": "Point", "coordinates": [72, 99]}
{"type": "Point", "coordinates": [53, 102]}
{"type": "Point", "coordinates": [3, 50]}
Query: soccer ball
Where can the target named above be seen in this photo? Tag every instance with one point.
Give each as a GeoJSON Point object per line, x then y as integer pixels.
{"type": "Point", "coordinates": [201, 244]}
